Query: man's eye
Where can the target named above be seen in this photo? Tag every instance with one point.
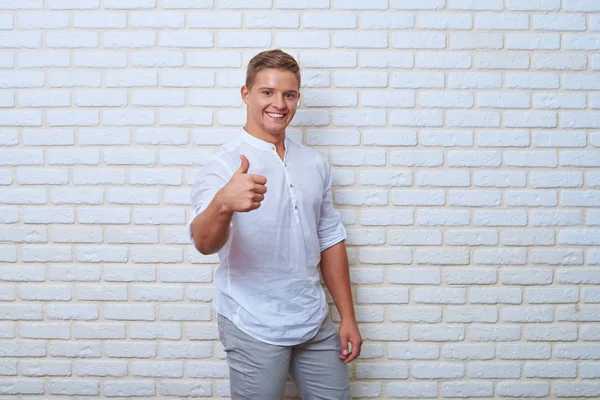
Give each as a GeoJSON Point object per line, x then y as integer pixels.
{"type": "Point", "coordinates": [291, 95]}
{"type": "Point", "coordinates": [267, 92]}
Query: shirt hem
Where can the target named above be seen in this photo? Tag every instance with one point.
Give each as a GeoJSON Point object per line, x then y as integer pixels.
{"type": "Point", "coordinates": [262, 339]}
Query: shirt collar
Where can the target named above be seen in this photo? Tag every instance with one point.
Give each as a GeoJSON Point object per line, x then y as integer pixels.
{"type": "Point", "coordinates": [258, 143]}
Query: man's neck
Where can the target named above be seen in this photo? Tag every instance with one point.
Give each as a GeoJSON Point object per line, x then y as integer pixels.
{"type": "Point", "coordinates": [277, 140]}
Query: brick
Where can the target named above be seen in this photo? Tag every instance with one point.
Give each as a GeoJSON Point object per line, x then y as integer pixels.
{"type": "Point", "coordinates": [360, 118]}
{"type": "Point", "coordinates": [534, 5]}
{"type": "Point", "coordinates": [103, 59]}
{"type": "Point", "coordinates": [550, 370]}
{"type": "Point", "coordinates": [354, 40]}
{"type": "Point", "coordinates": [6, 21]}
{"type": "Point", "coordinates": [423, 5]}
{"type": "Point", "coordinates": [476, 237]}
{"type": "Point", "coordinates": [319, 59]}
{"type": "Point", "coordinates": [214, 19]}
{"type": "Point", "coordinates": [580, 119]}
{"type": "Point", "coordinates": [480, 41]}
{"type": "Point", "coordinates": [418, 40]}
{"type": "Point", "coordinates": [182, 388]}
{"type": "Point", "coordinates": [468, 389]}
{"type": "Point", "coordinates": [501, 61]}
{"type": "Point", "coordinates": [557, 101]}
{"type": "Point", "coordinates": [531, 41]}
{"type": "Point", "coordinates": [474, 80]}
{"type": "Point", "coordinates": [455, 60]}
{"type": "Point", "coordinates": [185, 4]}
{"type": "Point", "coordinates": [244, 39]}
{"type": "Point", "coordinates": [559, 22]}
{"type": "Point", "coordinates": [158, 20]}
{"type": "Point", "coordinates": [581, 6]}
{"type": "Point", "coordinates": [532, 81]}
{"type": "Point", "coordinates": [22, 5]}
{"type": "Point", "coordinates": [502, 21]}
{"type": "Point", "coordinates": [129, 4]}
{"type": "Point", "coordinates": [360, 5]}
{"type": "Point", "coordinates": [436, 333]}
{"type": "Point", "coordinates": [272, 20]}
{"type": "Point", "coordinates": [100, 20]}
{"type": "Point", "coordinates": [496, 370]}
{"type": "Point", "coordinates": [132, 40]}
{"type": "Point", "coordinates": [74, 387]}
{"type": "Point", "coordinates": [471, 351]}
{"type": "Point", "coordinates": [415, 80]}
{"type": "Point", "coordinates": [388, 59]}
{"type": "Point", "coordinates": [474, 5]}
{"type": "Point", "coordinates": [21, 40]}
{"type": "Point", "coordinates": [74, 79]}
{"type": "Point", "coordinates": [303, 4]}
{"type": "Point", "coordinates": [178, 39]}
{"type": "Point", "coordinates": [445, 20]}
{"type": "Point", "coordinates": [497, 333]}
{"type": "Point", "coordinates": [72, 40]}
{"type": "Point", "coordinates": [416, 118]}
{"type": "Point", "coordinates": [128, 388]}
{"type": "Point", "coordinates": [388, 20]}
{"type": "Point", "coordinates": [44, 21]}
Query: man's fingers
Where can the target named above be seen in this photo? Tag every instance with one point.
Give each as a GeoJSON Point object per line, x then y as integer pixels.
{"type": "Point", "coordinates": [255, 205]}
{"type": "Point", "coordinates": [243, 169]}
{"type": "Point", "coordinates": [258, 197]}
{"type": "Point", "coordinates": [355, 352]}
{"type": "Point", "coordinates": [261, 180]}
{"type": "Point", "coordinates": [262, 189]}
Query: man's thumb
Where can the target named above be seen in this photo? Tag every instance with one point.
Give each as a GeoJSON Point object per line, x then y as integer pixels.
{"type": "Point", "coordinates": [344, 343]}
{"type": "Point", "coordinates": [245, 165]}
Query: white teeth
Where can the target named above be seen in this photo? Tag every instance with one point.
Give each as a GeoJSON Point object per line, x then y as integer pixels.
{"type": "Point", "coordinates": [275, 115]}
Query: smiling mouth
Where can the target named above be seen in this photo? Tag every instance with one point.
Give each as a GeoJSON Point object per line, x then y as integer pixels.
{"type": "Point", "coordinates": [275, 116]}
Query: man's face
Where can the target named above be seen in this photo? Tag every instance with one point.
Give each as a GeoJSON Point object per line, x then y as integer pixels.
{"type": "Point", "coordinates": [272, 100]}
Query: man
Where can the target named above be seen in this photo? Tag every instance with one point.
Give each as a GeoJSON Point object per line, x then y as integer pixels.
{"type": "Point", "coordinates": [272, 311]}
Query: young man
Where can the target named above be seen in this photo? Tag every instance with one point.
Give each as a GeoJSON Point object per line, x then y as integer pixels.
{"type": "Point", "coordinates": [264, 204]}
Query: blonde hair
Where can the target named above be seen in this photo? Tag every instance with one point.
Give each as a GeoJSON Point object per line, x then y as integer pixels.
{"type": "Point", "coordinates": [271, 59]}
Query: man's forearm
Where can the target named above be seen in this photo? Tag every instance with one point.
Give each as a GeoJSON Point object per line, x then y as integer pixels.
{"type": "Point", "coordinates": [336, 274]}
{"type": "Point", "coordinates": [210, 228]}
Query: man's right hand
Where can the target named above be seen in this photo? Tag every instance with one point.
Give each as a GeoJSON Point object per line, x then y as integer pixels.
{"type": "Point", "coordinates": [244, 192]}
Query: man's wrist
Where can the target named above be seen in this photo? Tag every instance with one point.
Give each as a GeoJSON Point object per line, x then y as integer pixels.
{"type": "Point", "coordinates": [351, 318]}
{"type": "Point", "coordinates": [222, 205]}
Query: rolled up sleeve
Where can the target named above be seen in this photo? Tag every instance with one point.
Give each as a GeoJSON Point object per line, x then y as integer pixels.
{"type": "Point", "coordinates": [331, 230]}
{"type": "Point", "coordinates": [211, 178]}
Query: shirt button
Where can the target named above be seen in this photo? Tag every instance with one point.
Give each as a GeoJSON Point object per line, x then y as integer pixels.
{"type": "Point", "coordinates": [273, 148]}
{"type": "Point", "coordinates": [296, 207]}
{"type": "Point", "coordinates": [291, 185]}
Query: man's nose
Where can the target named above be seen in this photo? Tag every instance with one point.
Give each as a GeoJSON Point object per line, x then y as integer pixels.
{"type": "Point", "coordinates": [278, 102]}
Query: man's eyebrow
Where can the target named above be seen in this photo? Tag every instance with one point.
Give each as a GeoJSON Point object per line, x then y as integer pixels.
{"type": "Point", "coordinates": [268, 88]}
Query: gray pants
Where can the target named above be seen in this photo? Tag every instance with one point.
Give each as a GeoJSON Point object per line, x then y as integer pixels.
{"type": "Point", "coordinates": [258, 370]}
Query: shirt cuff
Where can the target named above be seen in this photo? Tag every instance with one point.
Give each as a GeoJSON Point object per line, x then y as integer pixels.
{"type": "Point", "coordinates": [196, 209]}
{"type": "Point", "coordinates": [332, 236]}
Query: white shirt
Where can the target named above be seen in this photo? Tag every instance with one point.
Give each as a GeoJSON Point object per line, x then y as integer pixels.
{"type": "Point", "coordinates": [268, 284]}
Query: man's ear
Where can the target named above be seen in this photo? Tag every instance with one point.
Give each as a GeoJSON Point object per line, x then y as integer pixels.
{"type": "Point", "coordinates": [244, 91]}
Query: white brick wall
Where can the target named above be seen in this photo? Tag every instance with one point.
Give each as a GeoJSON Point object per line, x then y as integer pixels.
{"type": "Point", "coordinates": [465, 143]}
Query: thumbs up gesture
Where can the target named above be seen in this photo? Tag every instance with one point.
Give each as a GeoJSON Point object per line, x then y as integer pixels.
{"type": "Point", "coordinates": [244, 192]}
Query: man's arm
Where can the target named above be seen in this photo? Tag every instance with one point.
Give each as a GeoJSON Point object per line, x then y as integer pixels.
{"type": "Point", "coordinates": [244, 192]}
{"type": "Point", "coordinates": [210, 228]}
{"type": "Point", "coordinates": [336, 275]}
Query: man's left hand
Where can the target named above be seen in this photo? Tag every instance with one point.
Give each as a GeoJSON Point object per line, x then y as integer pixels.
{"type": "Point", "coordinates": [349, 333]}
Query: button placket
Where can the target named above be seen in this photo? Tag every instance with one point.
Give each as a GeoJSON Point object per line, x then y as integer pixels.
{"type": "Point", "coordinates": [291, 185]}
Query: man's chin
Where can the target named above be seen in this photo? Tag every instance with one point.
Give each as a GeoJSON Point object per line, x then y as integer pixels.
{"type": "Point", "coordinates": [278, 129]}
